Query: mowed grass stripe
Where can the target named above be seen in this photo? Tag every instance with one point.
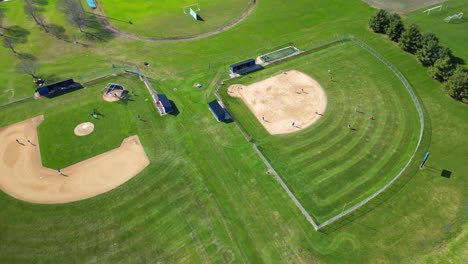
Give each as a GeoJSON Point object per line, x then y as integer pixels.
{"type": "Point", "coordinates": [323, 165]}
{"type": "Point", "coordinates": [370, 139]}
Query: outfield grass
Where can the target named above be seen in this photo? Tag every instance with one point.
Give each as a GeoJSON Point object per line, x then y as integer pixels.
{"type": "Point", "coordinates": [166, 18]}
{"type": "Point", "coordinates": [328, 166]}
{"type": "Point", "coordinates": [205, 196]}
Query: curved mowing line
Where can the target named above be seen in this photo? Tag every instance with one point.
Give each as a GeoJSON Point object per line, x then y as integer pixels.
{"type": "Point", "coordinates": [372, 196]}
{"type": "Point", "coordinates": [421, 122]}
{"type": "Point", "coordinates": [102, 19]}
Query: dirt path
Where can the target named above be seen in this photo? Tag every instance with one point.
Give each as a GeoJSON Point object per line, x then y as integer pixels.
{"type": "Point", "coordinates": [101, 17]}
{"type": "Point", "coordinates": [23, 176]}
{"type": "Point", "coordinates": [285, 103]}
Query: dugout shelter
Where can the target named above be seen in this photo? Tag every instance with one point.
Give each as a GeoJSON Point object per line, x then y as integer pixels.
{"type": "Point", "coordinates": [245, 67]}
{"type": "Point", "coordinates": [218, 111]}
{"type": "Point", "coordinates": [163, 105]}
{"type": "Point", "coordinates": [58, 88]}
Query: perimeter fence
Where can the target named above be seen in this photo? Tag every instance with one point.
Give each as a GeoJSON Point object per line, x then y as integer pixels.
{"type": "Point", "coordinates": [270, 167]}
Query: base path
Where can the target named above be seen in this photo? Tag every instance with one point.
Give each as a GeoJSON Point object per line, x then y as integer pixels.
{"type": "Point", "coordinates": [284, 103]}
{"type": "Point", "coordinates": [23, 176]}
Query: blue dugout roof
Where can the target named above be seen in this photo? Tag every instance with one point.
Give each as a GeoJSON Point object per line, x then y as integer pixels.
{"type": "Point", "coordinates": [219, 112]}
{"type": "Point", "coordinates": [165, 103]}
{"type": "Point", "coordinates": [242, 63]}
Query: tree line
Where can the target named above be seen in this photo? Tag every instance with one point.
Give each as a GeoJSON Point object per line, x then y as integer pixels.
{"type": "Point", "coordinates": [442, 64]}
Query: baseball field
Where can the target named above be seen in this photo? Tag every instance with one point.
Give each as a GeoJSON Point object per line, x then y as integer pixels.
{"type": "Point", "coordinates": [204, 195]}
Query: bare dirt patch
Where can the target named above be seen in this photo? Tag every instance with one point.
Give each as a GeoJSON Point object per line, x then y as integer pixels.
{"type": "Point", "coordinates": [113, 96]}
{"type": "Point", "coordinates": [23, 176]}
{"type": "Point", "coordinates": [84, 129]}
{"type": "Point", "coordinates": [284, 103]}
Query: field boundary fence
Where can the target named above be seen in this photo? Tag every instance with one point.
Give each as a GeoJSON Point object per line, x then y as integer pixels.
{"type": "Point", "coordinates": [278, 178]}
{"type": "Point", "coordinates": [421, 131]}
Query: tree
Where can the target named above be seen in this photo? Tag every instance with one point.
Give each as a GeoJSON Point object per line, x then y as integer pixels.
{"type": "Point", "coordinates": [76, 14]}
{"type": "Point", "coordinates": [28, 67]}
{"type": "Point", "coordinates": [32, 10]}
{"type": "Point", "coordinates": [457, 84]}
{"type": "Point", "coordinates": [2, 28]}
{"type": "Point", "coordinates": [410, 39]}
{"type": "Point", "coordinates": [443, 68]}
{"type": "Point", "coordinates": [379, 22]}
{"type": "Point", "coordinates": [1, 18]}
{"type": "Point", "coordinates": [428, 52]}
{"type": "Point", "coordinates": [395, 27]}
{"type": "Point", "coordinates": [9, 43]}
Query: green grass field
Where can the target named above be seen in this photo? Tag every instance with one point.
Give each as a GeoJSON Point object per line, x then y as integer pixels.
{"type": "Point", "coordinates": [115, 122]}
{"type": "Point", "coordinates": [205, 196]}
{"type": "Point", "coordinates": [453, 34]}
{"type": "Point", "coordinates": [167, 19]}
{"type": "Point", "coordinates": [328, 166]}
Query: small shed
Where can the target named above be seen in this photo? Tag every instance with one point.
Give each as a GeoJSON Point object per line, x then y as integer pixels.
{"type": "Point", "coordinates": [163, 104]}
{"type": "Point", "coordinates": [218, 111]}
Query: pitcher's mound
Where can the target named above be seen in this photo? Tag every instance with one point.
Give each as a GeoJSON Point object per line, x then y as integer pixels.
{"type": "Point", "coordinates": [84, 129]}
{"type": "Point", "coordinates": [112, 96]}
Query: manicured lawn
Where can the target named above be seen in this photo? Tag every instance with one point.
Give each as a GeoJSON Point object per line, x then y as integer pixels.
{"type": "Point", "coordinates": [167, 19]}
{"type": "Point", "coordinates": [328, 166]}
{"type": "Point", "coordinates": [60, 147]}
{"type": "Point", "coordinates": [205, 196]}
{"type": "Point", "coordinates": [453, 34]}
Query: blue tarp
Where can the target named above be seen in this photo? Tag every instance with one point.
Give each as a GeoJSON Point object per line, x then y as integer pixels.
{"type": "Point", "coordinates": [91, 4]}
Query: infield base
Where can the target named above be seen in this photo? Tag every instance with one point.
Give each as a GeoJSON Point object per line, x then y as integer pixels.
{"type": "Point", "coordinates": [284, 103]}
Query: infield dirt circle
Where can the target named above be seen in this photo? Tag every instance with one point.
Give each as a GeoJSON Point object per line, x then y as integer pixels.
{"type": "Point", "coordinates": [113, 96]}
{"type": "Point", "coordinates": [284, 103]}
{"type": "Point", "coordinates": [84, 129]}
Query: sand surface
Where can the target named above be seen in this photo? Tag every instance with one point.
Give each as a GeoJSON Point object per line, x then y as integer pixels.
{"type": "Point", "coordinates": [84, 129]}
{"type": "Point", "coordinates": [23, 176]}
{"type": "Point", "coordinates": [112, 96]}
{"type": "Point", "coordinates": [284, 103]}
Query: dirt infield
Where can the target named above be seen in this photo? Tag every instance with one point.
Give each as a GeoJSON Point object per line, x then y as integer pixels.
{"type": "Point", "coordinates": [84, 129]}
{"type": "Point", "coordinates": [23, 176]}
{"type": "Point", "coordinates": [113, 96]}
{"type": "Point", "coordinates": [284, 103]}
